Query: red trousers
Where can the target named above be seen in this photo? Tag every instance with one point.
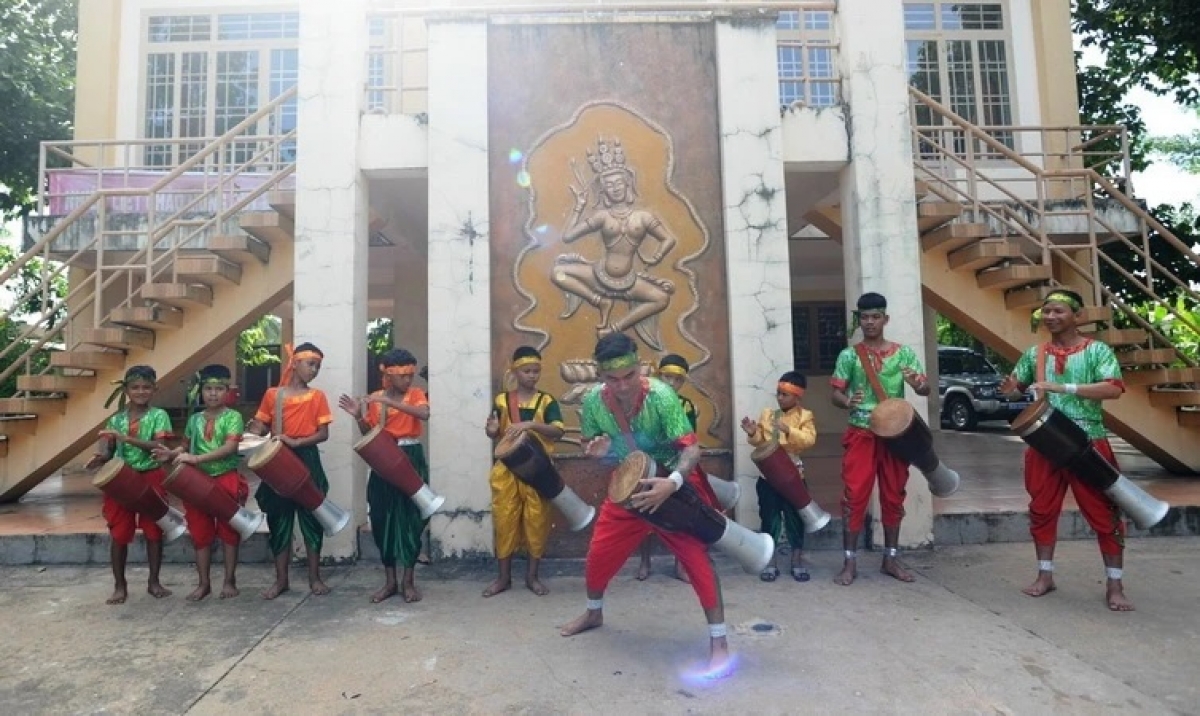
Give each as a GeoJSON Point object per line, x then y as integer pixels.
{"type": "Point", "coordinates": [1047, 486]}
{"type": "Point", "coordinates": [864, 457]}
{"type": "Point", "coordinates": [123, 522]}
{"type": "Point", "coordinates": [619, 531]}
{"type": "Point", "coordinates": [203, 526]}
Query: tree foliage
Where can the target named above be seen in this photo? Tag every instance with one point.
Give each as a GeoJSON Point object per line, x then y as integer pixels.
{"type": "Point", "coordinates": [254, 345]}
{"type": "Point", "coordinates": [1182, 150]}
{"type": "Point", "coordinates": [16, 314]}
{"type": "Point", "coordinates": [37, 91]}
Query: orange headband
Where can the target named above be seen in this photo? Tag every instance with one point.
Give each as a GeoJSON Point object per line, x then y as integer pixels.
{"type": "Point", "coordinates": [523, 361]}
{"type": "Point", "coordinates": [790, 389]}
{"type": "Point", "coordinates": [285, 375]}
{"type": "Point", "coordinates": [398, 369]}
{"type": "Point", "coordinates": [307, 355]}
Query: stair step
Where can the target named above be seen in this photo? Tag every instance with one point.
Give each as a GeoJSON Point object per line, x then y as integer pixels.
{"type": "Point", "coordinates": [271, 227]}
{"type": "Point", "coordinates": [283, 201]}
{"type": "Point", "coordinates": [983, 254]}
{"type": "Point", "coordinates": [1152, 356]}
{"type": "Point", "coordinates": [1188, 418]}
{"type": "Point", "coordinates": [1030, 297]}
{"type": "Point", "coordinates": [179, 295]}
{"type": "Point", "coordinates": [954, 236]}
{"type": "Point", "coordinates": [3, 446]}
{"type": "Point", "coordinates": [117, 337]}
{"type": "Point", "coordinates": [88, 360]}
{"type": "Point", "coordinates": [150, 318]}
{"type": "Point", "coordinates": [931, 214]}
{"type": "Point", "coordinates": [240, 249]}
{"type": "Point", "coordinates": [1120, 336]}
{"type": "Point", "coordinates": [1007, 277]}
{"type": "Point", "coordinates": [13, 427]}
{"type": "Point", "coordinates": [33, 406]}
{"type": "Point", "coordinates": [1095, 314]}
{"type": "Point", "coordinates": [1174, 398]}
{"type": "Point", "coordinates": [208, 269]}
{"type": "Point", "coordinates": [50, 383]}
{"type": "Point", "coordinates": [1162, 376]}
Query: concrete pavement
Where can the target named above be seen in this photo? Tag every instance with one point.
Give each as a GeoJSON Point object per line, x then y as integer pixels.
{"type": "Point", "coordinates": [961, 640]}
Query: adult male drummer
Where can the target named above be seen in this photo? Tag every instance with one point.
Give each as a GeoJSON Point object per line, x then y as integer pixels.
{"type": "Point", "coordinates": [629, 407]}
{"type": "Point", "coordinates": [1078, 373]}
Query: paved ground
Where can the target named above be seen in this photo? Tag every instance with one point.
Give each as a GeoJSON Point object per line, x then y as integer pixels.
{"type": "Point", "coordinates": [961, 640]}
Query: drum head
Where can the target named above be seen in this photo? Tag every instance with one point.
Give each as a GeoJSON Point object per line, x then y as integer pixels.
{"type": "Point", "coordinates": [508, 445]}
{"type": "Point", "coordinates": [366, 439]}
{"type": "Point", "coordinates": [108, 471]}
{"type": "Point", "coordinates": [624, 482]}
{"type": "Point", "coordinates": [764, 451]}
{"type": "Point", "coordinates": [1029, 415]}
{"type": "Point", "coordinates": [250, 442]}
{"type": "Point", "coordinates": [264, 454]}
{"type": "Point", "coordinates": [892, 417]}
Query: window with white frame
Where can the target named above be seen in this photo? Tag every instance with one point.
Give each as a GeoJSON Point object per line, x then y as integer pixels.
{"type": "Point", "coordinates": [807, 58]}
{"type": "Point", "coordinates": [958, 54]}
{"type": "Point", "coordinates": [206, 72]}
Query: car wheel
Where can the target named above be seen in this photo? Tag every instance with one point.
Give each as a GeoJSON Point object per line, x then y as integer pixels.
{"type": "Point", "coordinates": [960, 414]}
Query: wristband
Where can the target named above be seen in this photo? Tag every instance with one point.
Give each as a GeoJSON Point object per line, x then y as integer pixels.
{"type": "Point", "coordinates": [1071, 388]}
{"type": "Point", "coordinates": [676, 479]}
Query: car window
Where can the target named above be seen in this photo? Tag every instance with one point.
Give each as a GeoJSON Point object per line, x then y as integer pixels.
{"type": "Point", "coordinates": [975, 363]}
{"type": "Point", "coordinates": [949, 363]}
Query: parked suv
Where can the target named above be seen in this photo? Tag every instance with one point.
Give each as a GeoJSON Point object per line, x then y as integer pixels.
{"type": "Point", "coordinates": [970, 389]}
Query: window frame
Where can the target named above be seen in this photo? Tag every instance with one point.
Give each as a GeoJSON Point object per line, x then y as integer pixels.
{"type": "Point", "coordinates": [813, 31]}
{"type": "Point", "coordinates": [813, 338]}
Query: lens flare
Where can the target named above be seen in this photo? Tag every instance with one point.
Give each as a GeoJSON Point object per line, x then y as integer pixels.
{"type": "Point", "coordinates": [523, 179]}
{"type": "Point", "coordinates": [542, 229]}
{"type": "Point", "coordinates": [703, 674]}
{"type": "Point", "coordinates": [515, 156]}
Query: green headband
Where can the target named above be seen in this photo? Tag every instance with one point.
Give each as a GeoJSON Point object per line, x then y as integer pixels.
{"type": "Point", "coordinates": [625, 361]}
{"type": "Point", "coordinates": [193, 394]}
{"type": "Point", "coordinates": [1035, 318]}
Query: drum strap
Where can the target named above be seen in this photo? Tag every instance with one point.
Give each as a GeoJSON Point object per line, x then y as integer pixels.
{"type": "Point", "coordinates": [610, 402]}
{"type": "Point", "coordinates": [1039, 372]}
{"type": "Point", "coordinates": [277, 421]}
{"type": "Point", "coordinates": [864, 357]}
{"type": "Point", "coordinates": [514, 408]}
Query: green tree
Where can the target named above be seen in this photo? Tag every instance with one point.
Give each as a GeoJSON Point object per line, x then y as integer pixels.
{"type": "Point", "coordinates": [254, 344]}
{"type": "Point", "coordinates": [1182, 150]}
{"type": "Point", "coordinates": [379, 336]}
{"type": "Point", "coordinates": [37, 91]}
{"type": "Point", "coordinates": [21, 305]}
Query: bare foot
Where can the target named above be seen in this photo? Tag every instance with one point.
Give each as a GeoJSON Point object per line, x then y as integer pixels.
{"type": "Point", "coordinates": [500, 585]}
{"type": "Point", "coordinates": [119, 595]}
{"type": "Point", "coordinates": [157, 590]}
{"type": "Point", "coordinates": [643, 572]}
{"type": "Point", "coordinates": [891, 566]}
{"type": "Point", "coordinates": [536, 587]}
{"type": "Point", "coordinates": [591, 619]}
{"type": "Point", "coordinates": [1115, 594]}
{"type": "Point", "coordinates": [199, 593]}
{"type": "Point", "coordinates": [387, 591]}
{"type": "Point", "coordinates": [719, 662]}
{"type": "Point", "coordinates": [1044, 584]}
{"type": "Point", "coordinates": [318, 588]}
{"type": "Point", "coordinates": [848, 574]}
{"type": "Point", "coordinates": [275, 590]}
{"type": "Point", "coordinates": [229, 590]}
{"type": "Point", "coordinates": [411, 593]}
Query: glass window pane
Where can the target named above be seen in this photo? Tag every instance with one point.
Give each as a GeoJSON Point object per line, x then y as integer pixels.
{"type": "Point", "coordinates": [788, 20]}
{"type": "Point", "coordinates": [961, 76]}
{"type": "Point", "coordinates": [820, 62]}
{"type": "Point", "coordinates": [972, 16]}
{"type": "Point", "coordinates": [791, 62]}
{"type": "Point", "coordinates": [791, 91]}
{"type": "Point", "coordinates": [258, 26]}
{"type": "Point", "coordinates": [831, 336]}
{"type": "Point", "coordinates": [179, 28]}
{"type": "Point", "coordinates": [818, 20]}
{"type": "Point", "coordinates": [802, 354]}
{"type": "Point", "coordinates": [922, 65]}
{"type": "Point", "coordinates": [919, 16]}
{"type": "Point", "coordinates": [159, 120]}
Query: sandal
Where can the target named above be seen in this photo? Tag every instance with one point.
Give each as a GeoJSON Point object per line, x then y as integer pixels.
{"type": "Point", "coordinates": [770, 574]}
{"type": "Point", "coordinates": [800, 574]}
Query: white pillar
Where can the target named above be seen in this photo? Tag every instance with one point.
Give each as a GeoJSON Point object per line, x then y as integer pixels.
{"type": "Point", "coordinates": [410, 316]}
{"type": "Point", "coordinates": [756, 235]}
{"type": "Point", "coordinates": [459, 295]}
{"type": "Point", "coordinates": [331, 234]}
{"type": "Point", "coordinates": [879, 218]}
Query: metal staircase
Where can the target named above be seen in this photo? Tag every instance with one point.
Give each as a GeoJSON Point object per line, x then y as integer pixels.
{"type": "Point", "coordinates": [165, 264]}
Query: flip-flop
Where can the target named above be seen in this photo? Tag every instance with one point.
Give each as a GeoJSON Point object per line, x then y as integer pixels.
{"type": "Point", "coordinates": [800, 574]}
{"type": "Point", "coordinates": [770, 574]}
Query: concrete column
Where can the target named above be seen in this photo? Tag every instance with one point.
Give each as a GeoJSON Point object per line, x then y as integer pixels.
{"type": "Point", "coordinates": [756, 235]}
{"type": "Point", "coordinates": [931, 369]}
{"type": "Point", "coordinates": [459, 285]}
{"type": "Point", "coordinates": [410, 315]}
{"type": "Point", "coordinates": [880, 243]}
{"type": "Point", "coordinates": [331, 234]}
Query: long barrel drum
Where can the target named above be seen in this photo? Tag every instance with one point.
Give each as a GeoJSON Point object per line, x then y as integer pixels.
{"type": "Point", "coordinates": [1061, 441]}
{"type": "Point", "coordinates": [287, 474]}
{"type": "Point", "coordinates": [908, 438]}
{"type": "Point", "coordinates": [527, 459]}
{"type": "Point", "coordinates": [129, 489]}
{"type": "Point", "coordinates": [192, 485]}
{"type": "Point", "coordinates": [383, 454]}
{"type": "Point", "coordinates": [782, 474]}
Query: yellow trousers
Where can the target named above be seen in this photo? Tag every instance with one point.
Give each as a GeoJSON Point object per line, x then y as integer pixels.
{"type": "Point", "coordinates": [520, 516]}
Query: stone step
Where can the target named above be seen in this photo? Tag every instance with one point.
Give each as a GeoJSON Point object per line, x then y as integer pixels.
{"type": "Point", "coordinates": [179, 295]}
{"type": "Point", "coordinates": [1174, 398]}
{"type": "Point", "coordinates": [33, 406]}
{"type": "Point", "coordinates": [50, 383]}
{"type": "Point", "coordinates": [1189, 418]}
{"type": "Point", "coordinates": [1095, 314]}
{"type": "Point", "coordinates": [982, 254]}
{"type": "Point", "coordinates": [150, 318]}
{"type": "Point", "coordinates": [240, 249]}
{"type": "Point", "coordinates": [83, 359]}
{"type": "Point", "coordinates": [283, 201]}
{"type": "Point", "coordinates": [208, 270]}
{"type": "Point", "coordinates": [1030, 297]}
{"type": "Point", "coordinates": [3, 446]}
{"type": "Point", "coordinates": [1120, 336]}
{"type": "Point", "coordinates": [949, 237]}
{"type": "Point", "coordinates": [112, 337]}
{"type": "Point", "coordinates": [270, 227]}
{"type": "Point", "coordinates": [932, 214]}
{"type": "Point", "coordinates": [1162, 376]}
{"type": "Point", "coordinates": [1150, 356]}
{"type": "Point", "coordinates": [1006, 277]}
{"type": "Point", "coordinates": [18, 427]}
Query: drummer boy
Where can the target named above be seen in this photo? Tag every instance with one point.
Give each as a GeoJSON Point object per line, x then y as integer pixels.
{"type": "Point", "coordinates": [211, 444]}
{"type": "Point", "coordinates": [793, 427]}
{"type": "Point", "coordinates": [396, 523]}
{"type": "Point", "coordinates": [132, 433]}
{"type": "Point", "coordinates": [520, 516]}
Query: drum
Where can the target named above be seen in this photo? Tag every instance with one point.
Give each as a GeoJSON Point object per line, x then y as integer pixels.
{"type": "Point", "coordinates": [195, 487]}
{"type": "Point", "coordinates": [686, 512]}
{"type": "Point", "coordinates": [1063, 442]}
{"type": "Point", "coordinates": [249, 443]}
{"type": "Point", "coordinates": [287, 474]}
{"type": "Point", "coordinates": [379, 450]}
{"type": "Point", "coordinates": [782, 474]}
{"type": "Point", "coordinates": [133, 492]}
{"type": "Point", "coordinates": [527, 459]}
{"type": "Point", "coordinates": [908, 437]}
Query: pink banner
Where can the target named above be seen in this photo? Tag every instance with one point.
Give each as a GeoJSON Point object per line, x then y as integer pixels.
{"type": "Point", "coordinates": [69, 188]}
